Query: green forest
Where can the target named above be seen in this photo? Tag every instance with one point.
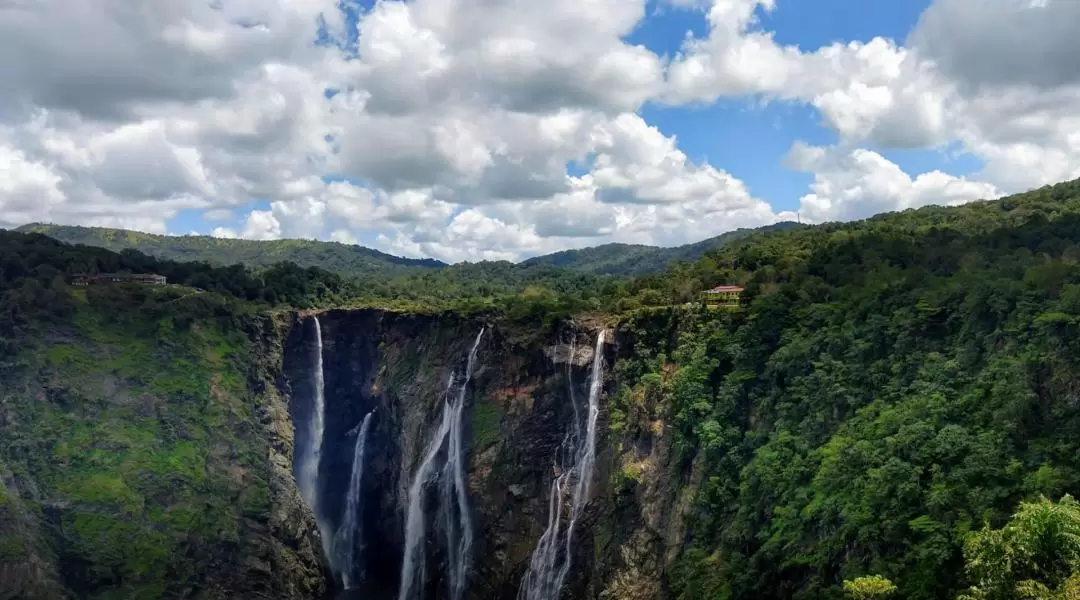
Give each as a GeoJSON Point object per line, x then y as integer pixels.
{"type": "Point", "coordinates": [890, 387]}
{"type": "Point", "coordinates": [895, 398]}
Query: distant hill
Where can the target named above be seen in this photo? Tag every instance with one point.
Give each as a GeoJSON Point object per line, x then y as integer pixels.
{"type": "Point", "coordinates": [628, 259]}
{"type": "Point", "coordinates": [354, 261]}
{"type": "Point", "coordinates": [357, 261]}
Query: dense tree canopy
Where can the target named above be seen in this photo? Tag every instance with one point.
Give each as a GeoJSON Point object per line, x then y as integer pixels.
{"type": "Point", "coordinates": [888, 387]}
{"type": "Point", "coordinates": [35, 272]}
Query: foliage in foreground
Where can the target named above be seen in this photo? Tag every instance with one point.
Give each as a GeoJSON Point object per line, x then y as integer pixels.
{"type": "Point", "coordinates": [1036, 555]}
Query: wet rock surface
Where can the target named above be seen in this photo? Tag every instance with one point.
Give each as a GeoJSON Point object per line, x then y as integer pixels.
{"type": "Point", "coordinates": [518, 409]}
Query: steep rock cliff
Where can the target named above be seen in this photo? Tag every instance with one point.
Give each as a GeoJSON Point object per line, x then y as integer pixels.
{"type": "Point", "coordinates": [147, 455]}
{"type": "Point", "coordinates": [154, 455]}
{"type": "Point", "coordinates": [518, 410]}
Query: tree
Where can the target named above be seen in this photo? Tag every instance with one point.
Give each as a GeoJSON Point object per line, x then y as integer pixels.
{"type": "Point", "coordinates": [872, 587]}
{"type": "Point", "coordinates": [1036, 555]}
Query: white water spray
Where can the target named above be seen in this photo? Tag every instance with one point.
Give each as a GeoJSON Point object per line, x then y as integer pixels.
{"type": "Point", "coordinates": [350, 533]}
{"type": "Point", "coordinates": [457, 532]}
{"type": "Point", "coordinates": [548, 567]}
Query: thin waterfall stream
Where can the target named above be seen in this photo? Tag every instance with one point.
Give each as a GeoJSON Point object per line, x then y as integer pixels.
{"type": "Point", "coordinates": [453, 509]}
{"type": "Point", "coordinates": [308, 479]}
{"type": "Point", "coordinates": [549, 567]}
{"type": "Point", "coordinates": [350, 535]}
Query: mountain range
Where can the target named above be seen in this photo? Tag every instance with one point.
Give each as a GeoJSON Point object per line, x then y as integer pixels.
{"type": "Point", "coordinates": [358, 261]}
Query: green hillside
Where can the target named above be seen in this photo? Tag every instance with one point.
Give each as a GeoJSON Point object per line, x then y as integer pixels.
{"type": "Point", "coordinates": [346, 260]}
{"type": "Point", "coordinates": [890, 387]}
{"type": "Point", "coordinates": [636, 259]}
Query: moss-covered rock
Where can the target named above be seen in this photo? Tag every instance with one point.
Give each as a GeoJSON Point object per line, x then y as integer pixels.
{"type": "Point", "coordinates": [144, 462]}
{"type": "Point", "coordinates": [150, 453]}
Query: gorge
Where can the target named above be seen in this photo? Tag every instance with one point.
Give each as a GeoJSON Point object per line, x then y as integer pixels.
{"type": "Point", "coordinates": [575, 480]}
{"type": "Point", "coordinates": [383, 454]}
{"type": "Point", "coordinates": [883, 393]}
{"type": "Point", "coordinates": [459, 460]}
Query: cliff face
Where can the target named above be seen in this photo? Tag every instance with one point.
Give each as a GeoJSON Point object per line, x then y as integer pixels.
{"type": "Point", "coordinates": [146, 457]}
{"type": "Point", "coordinates": [158, 457]}
{"type": "Point", "coordinates": [518, 411]}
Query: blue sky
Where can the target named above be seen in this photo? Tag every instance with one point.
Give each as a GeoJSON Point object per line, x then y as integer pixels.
{"type": "Point", "coordinates": [750, 141]}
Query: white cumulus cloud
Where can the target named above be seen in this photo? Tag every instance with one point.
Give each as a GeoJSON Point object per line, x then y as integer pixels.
{"type": "Point", "coordinates": [469, 129]}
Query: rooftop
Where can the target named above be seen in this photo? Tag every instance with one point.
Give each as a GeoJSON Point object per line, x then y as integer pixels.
{"type": "Point", "coordinates": [720, 289]}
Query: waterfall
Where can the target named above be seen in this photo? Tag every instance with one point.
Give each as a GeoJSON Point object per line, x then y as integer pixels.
{"type": "Point", "coordinates": [457, 533]}
{"type": "Point", "coordinates": [548, 567]}
{"type": "Point", "coordinates": [350, 532]}
{"type": "Point", "coordinates": [309, 465]}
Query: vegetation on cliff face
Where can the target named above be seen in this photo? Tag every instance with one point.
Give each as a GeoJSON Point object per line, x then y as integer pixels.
{"type": "Point", "coordinates": [131, 450]}
{"type": "Point", "coordinates": [890, 387]}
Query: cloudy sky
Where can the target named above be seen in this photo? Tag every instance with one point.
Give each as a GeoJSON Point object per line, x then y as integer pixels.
{"type": "Point", "coordinates": [471, 129]}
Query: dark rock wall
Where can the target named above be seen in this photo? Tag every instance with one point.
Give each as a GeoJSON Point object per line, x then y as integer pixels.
{"type": "Point", "coordinates": [253, 418]}
{"type": "Point", "coordinates": [518, 409]}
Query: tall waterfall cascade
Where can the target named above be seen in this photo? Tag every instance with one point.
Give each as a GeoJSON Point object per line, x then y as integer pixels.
{"type": "Point", "coordinates": [309, 465]}
{"type": "Point", "coordinates": [350, 535]}
{"type": "Point", "coordinates": [453, 510]}
{"type": "Point", "coordinates": [550, 563]}
{"type": "Point", "coordinates": [308, 479]}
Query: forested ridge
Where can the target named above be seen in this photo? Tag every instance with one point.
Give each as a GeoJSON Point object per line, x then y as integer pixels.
{"type": "Point", "coordinates": [344, 259]}
{"type": "Point", "coordinates": [630, 259]}
{"type": "Point", "coordinates": [360, 262]}
{"type": "Point", "coordinates": [36, 271]}
{"type": "Point", "coordinates": [889, 388]}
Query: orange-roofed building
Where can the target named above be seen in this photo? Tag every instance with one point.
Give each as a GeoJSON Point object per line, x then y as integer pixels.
{"type": "Point", "coordinates": [727, 296]}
